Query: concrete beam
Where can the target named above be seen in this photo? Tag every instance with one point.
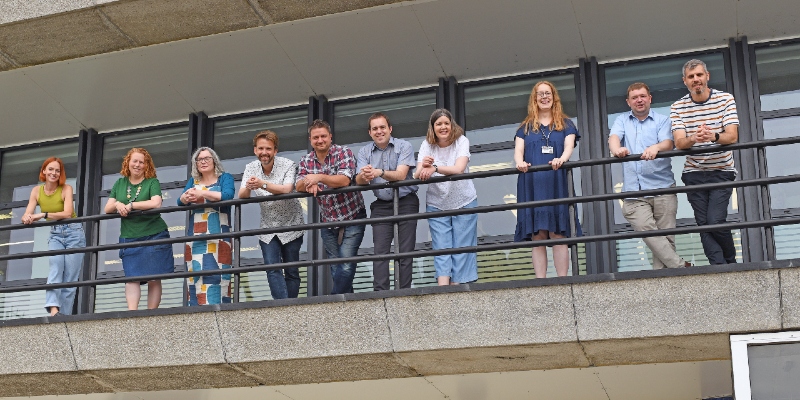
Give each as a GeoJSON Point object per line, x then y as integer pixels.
{"type": "Point", "coordinates": [575, 322]}
{"type": "Point", "coordinates": [43, 31]}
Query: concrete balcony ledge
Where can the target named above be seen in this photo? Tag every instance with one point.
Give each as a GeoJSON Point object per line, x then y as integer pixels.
{"type": "Point", "coordinates": [574, 322]}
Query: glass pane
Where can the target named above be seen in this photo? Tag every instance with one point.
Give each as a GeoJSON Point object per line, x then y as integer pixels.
{"type": "Point", "coordinates": [111, 298]}
{"type": "Point", "coordinates": [785, 195]}
{"type": "Point", "coordinates": [20, 169]}
{"type": "Point", "coordinates": [167, 147]}
{"type": "Point", "coordinates": [774, 371]}
{"type": "Point", "coordinates": [233, 138]}
{"type": "Point", "coordinates": [495, 110]}
{"type": "Point", "coordinates": [22, 305]}
{"type": "Point", "coordinates": [408, 113]}
{"type": "Point", "coordinates": [778, 76]}
{"type": "Point", "coordinates": [786, 239]}
{"type": "Point", "coordinates": [634, 255]}
{"type": "Point", "coordinates": [23, 241]}
{"type": "Point", "coordinates": [666, 86]}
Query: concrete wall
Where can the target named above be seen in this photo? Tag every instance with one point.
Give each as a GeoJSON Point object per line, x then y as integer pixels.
{"type": "Point", "coordinates": [632, 318]}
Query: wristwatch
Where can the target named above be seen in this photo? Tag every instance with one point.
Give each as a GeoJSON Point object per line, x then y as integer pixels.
{"type": "Point", "coordinates": [264, 186]}
{"type": "Point", "coordinates": [716, 138]}
{"type": "Point", "coordinates": [435, 168]}
{"type": "Point", "coordinates": [383, 171]}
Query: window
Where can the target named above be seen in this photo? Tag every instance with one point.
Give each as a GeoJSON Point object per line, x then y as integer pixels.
{"type": "Point", "coordinates": [779, 76]}
{"type": "Point", "coordinates": [765, 365]}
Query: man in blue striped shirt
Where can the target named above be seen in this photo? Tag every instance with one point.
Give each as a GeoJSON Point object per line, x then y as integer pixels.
{"type": "Point", "coordinates": [646, 132]}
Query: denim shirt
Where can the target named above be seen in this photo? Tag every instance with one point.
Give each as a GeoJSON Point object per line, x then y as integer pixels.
{"type": "Point", "coordinates": [637, 136]}
{"type": "Point", "coordinates": [397, 152]}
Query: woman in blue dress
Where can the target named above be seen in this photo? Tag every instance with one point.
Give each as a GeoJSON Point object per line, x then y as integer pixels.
{"type": "Point", "coordinates": [546, 136]}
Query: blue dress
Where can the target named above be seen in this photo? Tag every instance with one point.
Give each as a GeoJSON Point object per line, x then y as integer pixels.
{"type": "Point", "coordinates": [544, 185]}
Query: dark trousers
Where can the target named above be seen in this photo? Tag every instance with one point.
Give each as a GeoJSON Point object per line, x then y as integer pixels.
{"type": "Point", "coordinates": [382, 235]}
{"type": "Point", "coordinates": [710, 208]}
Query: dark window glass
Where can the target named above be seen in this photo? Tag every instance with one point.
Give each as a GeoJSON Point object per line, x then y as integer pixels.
{"type": "Point", "coordinates": [233, 138]}
{"type": "Point", "coordinates": [19, 172]}
{"type": "Point", "coordinates": [167, 146]}
{"type": "Point", "coordinates": [408, 114]}
{"type": "Point", "coordinates": [785, 195]}
{"type": "Point", "coordinates": [778, 76]}
{"type": "Point", "coordinates": [774, 371]}
{"type": "Point", "coordinates": [495, 110]}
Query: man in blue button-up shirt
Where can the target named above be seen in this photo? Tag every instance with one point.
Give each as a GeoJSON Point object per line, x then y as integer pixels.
{"type": "Point", "coordinates": [647, 132]}
{"type": "Point", "coordinates": [389, 159]}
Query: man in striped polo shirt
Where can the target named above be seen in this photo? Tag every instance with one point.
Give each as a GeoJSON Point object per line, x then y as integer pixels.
{"type": "Point", "coordinates": [707, 118]}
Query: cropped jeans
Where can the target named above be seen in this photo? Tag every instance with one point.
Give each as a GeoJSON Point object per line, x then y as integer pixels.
{"type": "Point", "coordinates": [64, 267]}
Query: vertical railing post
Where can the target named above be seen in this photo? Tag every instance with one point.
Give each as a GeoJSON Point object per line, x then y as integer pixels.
{"type": "Point", "coordinates": [572, 228]}
{"type": "Point", "coordinates": [396, 227]}
{"type": "Point", "coordinates": [769, 232]}
{"type": "Point", "coordinates": [236, 243]}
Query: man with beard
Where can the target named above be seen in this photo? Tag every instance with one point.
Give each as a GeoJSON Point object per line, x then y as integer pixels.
{"type": "Point", "coordinates": [271, 175]}
{"type": "Point", "coordinates": [707, 118]}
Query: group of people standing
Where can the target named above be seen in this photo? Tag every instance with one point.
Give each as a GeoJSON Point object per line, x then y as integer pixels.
{"type": "Point", "coordinates": [702, 118]}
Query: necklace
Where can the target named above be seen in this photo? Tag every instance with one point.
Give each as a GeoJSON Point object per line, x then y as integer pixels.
{"type": "Point", "coordinates": [138, 190]}
{"type": "Point", "coordinates": [46, 192]}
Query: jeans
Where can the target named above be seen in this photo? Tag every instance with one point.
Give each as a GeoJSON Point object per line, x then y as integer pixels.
{"type": "Point", "coordinates": [352, 236]}
{"type": "Point", "coordinates": [65, 267]}
{"type": "Point", "coordinates": [650, 214]}
{"type": "Point", "coordinates": [710, 208]}
{"type": "Point", "coordinates": [383, 234]}
{"type": "Point", "coordinates": [453, 232]}
{"type": "Point", "coordinates": [275, 252]}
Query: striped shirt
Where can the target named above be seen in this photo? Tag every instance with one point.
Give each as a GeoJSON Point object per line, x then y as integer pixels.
{"type": "Point", "coordinates": [717, 112]}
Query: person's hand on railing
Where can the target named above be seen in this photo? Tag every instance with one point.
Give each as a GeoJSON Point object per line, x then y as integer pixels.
{"type": "Point", "coordinates": [31, 218]}
{"type": "Point", "coordinates": [122, 209]}
{"type": "Point", "coordinates": [556, 163]}
{"type": "Point", "coordinates": [620, 152]}
{"type": "Point", "coordinates": [427, 161]}
{"type": "Point", "coordinates": [523, 166]}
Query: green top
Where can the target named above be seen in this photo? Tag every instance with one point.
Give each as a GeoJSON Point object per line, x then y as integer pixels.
{"type": "Point", "coordinates": [141, 225]}
{"type": "Point", "coordinates": [52, 203]}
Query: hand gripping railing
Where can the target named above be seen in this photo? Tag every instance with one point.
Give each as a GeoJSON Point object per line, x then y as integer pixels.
{"type": "Point", "coordinates": [572, 241]}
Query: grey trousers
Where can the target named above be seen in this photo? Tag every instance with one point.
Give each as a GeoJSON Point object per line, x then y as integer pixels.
{"type": "Point", "coordinates": [382, 235]}
{"type": "Point", "coordinates": [652, 213]}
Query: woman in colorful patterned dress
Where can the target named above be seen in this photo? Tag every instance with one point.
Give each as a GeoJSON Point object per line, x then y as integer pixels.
{"type": "Point", "coordinates": [208, 183]}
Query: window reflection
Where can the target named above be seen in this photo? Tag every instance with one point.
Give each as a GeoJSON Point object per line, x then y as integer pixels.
{"type": "Point", "coordinates": [778, 76]}
{"type": "Point", "coordinates": [167, 146]}
{"type": "Point", "coordinates": [495, 110]}
{"type": "Point", "coordinates": [784, 195]}
{"type": "Point", "coordinates": [20, 168]}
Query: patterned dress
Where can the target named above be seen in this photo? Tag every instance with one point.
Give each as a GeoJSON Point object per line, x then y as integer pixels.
{"type": "Point", "coordinates": [202, 255]}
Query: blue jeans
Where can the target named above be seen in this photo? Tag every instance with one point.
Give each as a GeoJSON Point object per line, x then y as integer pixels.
{"type": "Point", "coordinates": [453, 232]}
{"type": "Point", "coordinates": [65, 267]}
{"type": "Point", "coordinates": [275, 252]}
{"type": "Point", "coordinates": [344, 273]}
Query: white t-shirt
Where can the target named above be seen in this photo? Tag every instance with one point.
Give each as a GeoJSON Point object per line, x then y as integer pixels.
{"type": "Point", "coordinates": [448, 195]}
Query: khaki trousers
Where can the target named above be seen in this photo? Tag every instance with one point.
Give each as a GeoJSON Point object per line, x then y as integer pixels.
{"type": "Point", "coordinates": [652, 213]}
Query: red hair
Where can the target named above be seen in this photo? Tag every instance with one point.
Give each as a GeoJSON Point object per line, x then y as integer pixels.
{"type": "Point", "coordinates": [149, 167]}
{"type": "Point", "coordinates": [61, 179]}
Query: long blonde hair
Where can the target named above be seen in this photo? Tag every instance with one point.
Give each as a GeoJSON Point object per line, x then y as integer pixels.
{"type": "Point", "coordinates": [531, 122]}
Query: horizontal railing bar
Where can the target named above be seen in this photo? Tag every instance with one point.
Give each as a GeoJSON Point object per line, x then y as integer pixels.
{"type": "Point", "coordinates": [411, 182]}
{"type": "Point", "coordinates": [416, 254]}
{"type": "Point", "coordinates": [417, 216]}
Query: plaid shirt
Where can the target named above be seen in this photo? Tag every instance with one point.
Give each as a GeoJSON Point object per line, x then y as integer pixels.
{"type": "Point", "coordinates": [339, 161]}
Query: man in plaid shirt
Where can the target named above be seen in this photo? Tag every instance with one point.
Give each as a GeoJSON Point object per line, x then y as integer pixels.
{"type": "Point", "coordinates": [332, 166]}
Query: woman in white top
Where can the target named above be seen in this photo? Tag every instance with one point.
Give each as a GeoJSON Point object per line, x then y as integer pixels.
{"type": "Point", "coordinates": [446, 152]}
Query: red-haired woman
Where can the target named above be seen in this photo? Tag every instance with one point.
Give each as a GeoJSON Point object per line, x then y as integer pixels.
{"type": "Point", "coordinates": [138, 189]}
{"type": "Point", "coordinates": [54, 199]}
{"type": "Point", "coordinates": [546, 136]}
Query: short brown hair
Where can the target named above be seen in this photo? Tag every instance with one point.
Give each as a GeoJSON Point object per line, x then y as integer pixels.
{"type": "Point", "coordinates": [637, 86]}
{"type": "Point", "coordinates": [318, 123]}
{"type": "Point", "coordinates": [266, 135]}
{"type": "Point", "coordinates": [61, 179]}
{"type": "Point", "coordinates": [376, 116]}
{"type": "Point", "coordinates": [149, 166]}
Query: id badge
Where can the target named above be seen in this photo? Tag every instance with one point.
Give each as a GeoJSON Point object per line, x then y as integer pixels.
{"type": "Point", "coordinates": [547, 149]}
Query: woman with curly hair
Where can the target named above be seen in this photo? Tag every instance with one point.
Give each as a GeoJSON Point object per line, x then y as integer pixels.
{"type": "Point", "coordinates": [138, 189]}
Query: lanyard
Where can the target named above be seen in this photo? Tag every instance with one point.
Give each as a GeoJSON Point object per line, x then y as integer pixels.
{"type": "Point", "coordinates": [546, 136]}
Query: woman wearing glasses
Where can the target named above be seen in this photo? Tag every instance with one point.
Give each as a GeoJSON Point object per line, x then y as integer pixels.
{"type": "Point", "coordinates": [139, 189]}
{"type": "Point", "coordinates": [208, 183]}
{"type": "Point", "coordinates": [546, 136]}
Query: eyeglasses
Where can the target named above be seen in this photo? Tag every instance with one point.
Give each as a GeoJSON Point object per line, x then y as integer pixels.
{"type": "Point", "coordinates": [205, 160]}
{"type": "Point", "coordinates": [544, 94]}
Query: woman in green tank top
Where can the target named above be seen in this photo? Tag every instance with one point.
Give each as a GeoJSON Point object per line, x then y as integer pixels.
{"type": "Point", "coordinates": [54, 199]}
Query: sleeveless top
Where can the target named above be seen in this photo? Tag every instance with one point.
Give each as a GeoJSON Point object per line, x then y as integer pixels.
{"type": "Point", "coordinates": [52, 203]}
